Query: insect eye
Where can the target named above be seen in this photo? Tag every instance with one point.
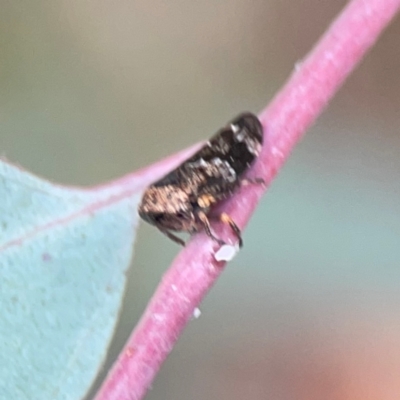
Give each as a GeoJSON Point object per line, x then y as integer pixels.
{"type": "Point", "coordinates": [158, 217]}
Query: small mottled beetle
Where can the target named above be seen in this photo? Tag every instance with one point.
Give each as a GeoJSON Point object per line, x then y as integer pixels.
{"type": "Point", "coordinates": [182, 200]}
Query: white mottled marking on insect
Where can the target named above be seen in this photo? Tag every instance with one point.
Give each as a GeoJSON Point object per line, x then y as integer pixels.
{"type": "Point", "coordinates": [199, 163]}
{"type": "Point", "coordinates": [240, 136]}
{"type": "Point", "coordinates": [174, 288]}
{"type": "Point", "coordinates": [196, 313]}
{"type": "Point", "coordinates": [202, 163]}
{"type": "Point", "coordinates": [227, 171]}
{"type": "Point", "coordinates": [234, 128]}
{"type": "Point", "coordinates": [222, 145]}
{"type": "Point", "coordinates": [216, 161]}
{"type": "Point", "coordinates": [253, 146]}
{"type": "Point", "coordinates": [232, 174]}
{"type": "Point", "coordinates": [226, 252]}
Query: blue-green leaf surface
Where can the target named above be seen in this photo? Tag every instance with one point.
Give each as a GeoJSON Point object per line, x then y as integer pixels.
{"type": "Point", "coordinates": [63, 257]}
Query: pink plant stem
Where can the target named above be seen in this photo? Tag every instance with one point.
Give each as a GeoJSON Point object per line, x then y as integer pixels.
{"type": "Point", "coordinates": [195, 269]}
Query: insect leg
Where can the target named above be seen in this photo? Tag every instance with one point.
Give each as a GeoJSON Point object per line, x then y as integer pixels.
{"type": "Point", "coordinates": [174, 238]}
{"type": "Point", "coordinates": [206, 224]}
{"type": "Point", "coordinates": [226, 219]}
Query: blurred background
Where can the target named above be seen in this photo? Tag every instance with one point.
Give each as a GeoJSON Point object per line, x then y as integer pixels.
{"type": "Point", "coordinates": [309, 309]}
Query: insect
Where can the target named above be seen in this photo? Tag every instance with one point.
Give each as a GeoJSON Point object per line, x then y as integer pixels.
{"type": "Point", "coordinates": [182, 200]}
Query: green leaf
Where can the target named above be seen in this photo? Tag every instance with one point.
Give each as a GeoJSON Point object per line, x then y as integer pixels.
{"type": "Point", "coordinates": [63, 257]}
